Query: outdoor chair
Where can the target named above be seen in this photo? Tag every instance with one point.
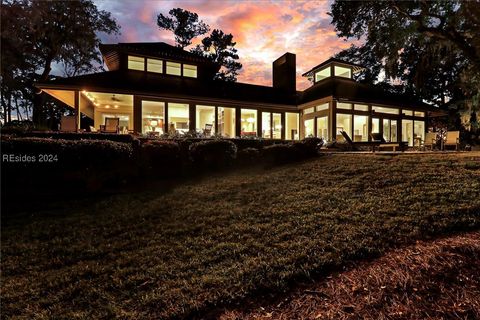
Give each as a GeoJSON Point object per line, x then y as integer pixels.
{"type": "Point", "coordinates": [111, 125]}
{"type": "Point", "coordinates": [430, 140]}
{"type": "Point", "coordinates": [452, 139]}
{"type": "Point", "coordinates": [378, 137]}
{"type": "Point", "coordinates": [208, 130]}
{"type": "Point", "coordinates": [354, 145]}
{"type": "Point", "coordinates": [68, 124]}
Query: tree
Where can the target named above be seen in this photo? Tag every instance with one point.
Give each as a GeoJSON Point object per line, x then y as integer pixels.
{"type": "Point", "coordinates": [220, 48]}
{"type": "Point", "coordinates": [430, 46]}
{"type": "Point", "coordinates": [50, 32]}
{"type": "Point", "coordinates": [184, 25]}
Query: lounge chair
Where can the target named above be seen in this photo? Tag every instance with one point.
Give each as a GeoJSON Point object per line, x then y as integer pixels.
{"type": "Point", "coordinates": [430, 140]}
{"type": "Point", "coordinates": [111, 125]}
{"type": "Point", "coordinates": [452, 139]}
{"type": "Point", "coordinates": [68, 124]}
{"type": "Point", "coordinates": [377, 137]}
{"type": "Point", "coordinates": [354, 145]}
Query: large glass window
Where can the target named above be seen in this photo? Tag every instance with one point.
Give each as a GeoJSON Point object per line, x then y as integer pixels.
{"type": "Point", "coordinates": [226, 122]}
{"type": "Point", "coordinates": [360, 128]}
{"type": "Point", "coordinates": [323, 74]}
{"type": "Point", "coordinates": [136, 63]}
{"type": "Point", "coordinates": [407, 131]}
{"type": "Point", "coordinates": [344, 123]}
{"type": "Point", "coordinates": [385, 110]}
{"type": "Point", "coordinates": [390, 130]}
{"type": "Point", "coordinates": [205, 120]}
{"type": "Point", "coordinates": [153, 117]}
{"type": "Point", "coordinates": [375, 125]}
{"type": "Point", "coordinates": [248, 122]}
{"type": "Point", "coordinates": [309, 110]}
{"type": "Point", "coordinates": [173, 68]}
{"type": "Point", "coordinates": [277, 125]}
{"type": "Point", "coordinates": [419, 132]}
{"type": "Point", "coordinates": [266, 129]}
{"type": "Point", "coordinates": [189, 71]}
{"type": "Point", "coordinates": [178, 117]}
{"type": "Point", "coordinates": [109, 105]}
{"type": "Point", "coordinates": [309, 127]}
{"type": "Point", "coordinates": [342, 105]}
{"type": "Point", "coordinates": [154, 65]}
{"type": "Point", "coordinates": [322, 128]}
{"type": "Point", "coordinates": [291, 126]}
{"type": "Point", "coordinates": [343, 72]}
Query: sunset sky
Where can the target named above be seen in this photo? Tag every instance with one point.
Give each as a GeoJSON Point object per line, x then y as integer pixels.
{"type": "Point", "coordinates": [263, 30]}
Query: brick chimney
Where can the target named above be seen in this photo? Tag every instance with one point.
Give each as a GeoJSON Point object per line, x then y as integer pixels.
{"type": "Point", "coordinates": [284, 73]}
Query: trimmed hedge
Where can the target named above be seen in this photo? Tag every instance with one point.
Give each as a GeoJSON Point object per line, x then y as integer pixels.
{"type": "Point", "coordinates": [213, 153]}
{"type": "Point", "coordinates": [248, 156]}
{"type": "Point", "coordinates": [161, 158]}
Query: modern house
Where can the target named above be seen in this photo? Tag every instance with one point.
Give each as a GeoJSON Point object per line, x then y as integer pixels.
{"type": "Point", "coordinates": [154, 88]}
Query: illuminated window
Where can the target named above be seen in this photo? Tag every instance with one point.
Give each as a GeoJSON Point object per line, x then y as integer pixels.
{"type": "Point", "coordinates": [390, 130]}
{"type": "Point", "coordinates": [189, 71]}
{"type": "Point", "coordinates": [385, 110]}
{"type": "Point", "coordinates": [344, 123]}
{"type": "Point", "coordinates": [248, 122]}
{"type": "Point", "coordinates": [360, 128]}
{"type": "Point", "coordinates": [408, 112]}
{"type": "Point", "coordinates": [322, 107]}
{"type": "Point", "coordinates": [178, 118]}
{"type": "Point", "coordinates": [360, 107]}
{"type": "Point", "coordinates": [419, 114]}
{"type": "Point", "coordinates": [309, 110]}
{"type": "Point", "coordinates": [375, 125]}
{"type": "Point", "coordinates": [136, 63]}
{"type": "Point", "coordinates": [309, 127]}
{"type": "Point", "coordinates": [173, 68]}
{"type": "Point", "coordinates": [407, 131]}
{"type": "Point", "coordinates": [277, 125]}
{"type": "Point", "coordinates": [341, 105]}
{"type": "Point", "coordinates": [419, 131]}
{"type": "Point", "coordinates": [205, 120]}
{"type": "Point", "coordinates": [153, 117]}
{"type": "Point", "coordinates": [322, 128]}
{"type": "Point", "coordinates": [266, 129]}
{"type": "Point", "coordinates": [154, 65]}
{"type": "Point", "coordinates": [323, 74]}
{"type": "Point", "coordinates": [343, 72]}
{"type": "Point", "coordinates": [226, 122]}
{"type": "Point", "coordinates": [291, 126]}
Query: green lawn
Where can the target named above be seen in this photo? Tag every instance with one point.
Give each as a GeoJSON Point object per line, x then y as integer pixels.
{"type": "Point", "coordinates": [206, 243]}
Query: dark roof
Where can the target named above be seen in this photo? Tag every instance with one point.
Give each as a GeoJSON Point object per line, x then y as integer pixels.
{"type": "Point", "coordinates": [356, 66]}
{"type": "Point", "coordinates": [138, 82]}
{"type": "Point", "coordinates": [156, 49]}
{"type": "Point", "coordinates": [347, 89]}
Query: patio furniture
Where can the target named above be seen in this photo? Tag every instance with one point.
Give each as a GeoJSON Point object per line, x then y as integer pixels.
{"type": "Point", "coordinates": [378, 137]}
{"type": "Point", "coordinates": [208, 130]}
{"type": "Point", "coordinates": [68, 124]}
{"type": "Point", "coordinates": [452, 139]}
{"type": "Point", "coordinates": [111, 125]}
{"type": "Point", "coordinates": [354, 145]}
{"type": "Point", "coordinates": [430, 140]}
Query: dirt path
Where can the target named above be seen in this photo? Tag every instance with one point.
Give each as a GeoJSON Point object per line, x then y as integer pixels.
{"type": "Point", "coordinates": [429, 280]}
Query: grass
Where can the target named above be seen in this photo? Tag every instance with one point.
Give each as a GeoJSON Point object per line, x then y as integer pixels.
{"type": "Point", "coordinates": [429, 280]}
{"type": "Point", "coordinates": [213, 242]}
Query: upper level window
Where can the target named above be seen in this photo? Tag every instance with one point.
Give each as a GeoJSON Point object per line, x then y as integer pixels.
{"type": "Point", "coordinates": [323, 74]}
{"type": "Point", "coordinates": [322, 107]}
{"type": "Point", "coordinates": [343, 72]}
{"type": "Point", "coordinates": [173, 68]}
{"type": "Point", "coordinates": [419, 114]}
{"type": "Point", "coordinates": [309, 110]}
{"type": "Point", "coordinates": [385, 110]}
{"type": "Point", "coordinates": [189, 71]}
{"type": "Point", "coordinates": [154, 65]}
{"type": "Point", "coordinates": [361, 107]}
{"type": "Point", "coordinates": [136, 63]}
{"type": "Point", "coordinates": [408, 112]}
{"type": "Point", "coordinates": [342, 105]}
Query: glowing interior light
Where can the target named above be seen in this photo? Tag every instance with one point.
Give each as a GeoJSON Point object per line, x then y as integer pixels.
{"type": "Point", "coordinates": [251, 120]}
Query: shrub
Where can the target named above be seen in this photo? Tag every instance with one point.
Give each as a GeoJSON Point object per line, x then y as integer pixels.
{"type": "Point", "coordinates": [161, 158]}
{"type": "Point", "coordinates": [278, 154]}
{"type": "Point", "coordinates": [83, 163]}
{"type": "Point", "coordinates": [248, 156]}
{"type": "Point", "coordinates": [312, 145]}
{"type": "Point", "coordinates": [213, 153]}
